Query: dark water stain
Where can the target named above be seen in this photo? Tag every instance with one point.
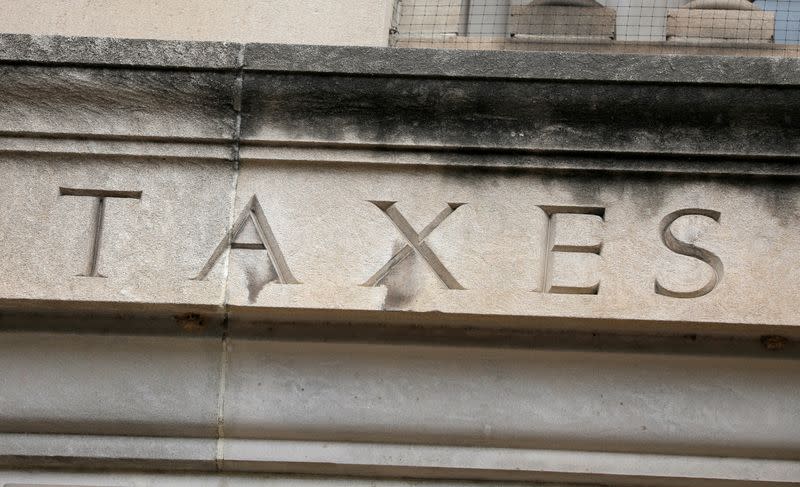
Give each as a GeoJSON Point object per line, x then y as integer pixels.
{"type": "Point", "coordinates": [257, 279]}
{"type": "Point", "coordinates": [402, 281]}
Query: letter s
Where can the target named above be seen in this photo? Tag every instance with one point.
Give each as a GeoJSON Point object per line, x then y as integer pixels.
{"type": "Point", "coordinates": [684, 248]}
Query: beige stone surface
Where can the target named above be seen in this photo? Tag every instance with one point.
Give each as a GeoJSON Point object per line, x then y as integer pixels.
{"type": "Point", "coordinates": [720, 25]}
{"type": "Point", "coordinates": [94, 479]}
{"type": "Point", "coordinates": [512, 398]}
{"type": "Point", "coordinates": [94, 385]}
{"type": "Point", "coordinates": [150, 246]}
{"type": "Point", "coordinates": [335, 239]}
{"type": "Point", "coordinates": [340, 22]}
{"type": "Point", "coordinates": [410, 239]}
{"type": "Point", "coordinates": [415, 17]}
{"type": "Point", "coordinates": [562, 21]}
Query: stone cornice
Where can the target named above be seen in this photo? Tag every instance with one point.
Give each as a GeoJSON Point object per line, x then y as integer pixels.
{"type": "Point", "coordinates": [539, 110]}
{"type": "Point", "coordinates": [377, 61]}
{"type": "Point", "coordinates": [131, 108]}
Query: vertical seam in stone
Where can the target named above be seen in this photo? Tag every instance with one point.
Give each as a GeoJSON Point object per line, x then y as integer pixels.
{"type": "Point", "coordinates": [223, 375]}
{"type": "Point", "coordinates": [237, 108]}
{"type": "Point", "coordinates": [225, 352]}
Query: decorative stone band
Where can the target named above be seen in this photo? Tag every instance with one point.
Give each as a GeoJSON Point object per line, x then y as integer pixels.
{"type": "Point", "coordinates": [454, 243]}
{"type": "Point", "coordinates": [396, 411]}
{"type": "Point", "coordinates": [542, 187]}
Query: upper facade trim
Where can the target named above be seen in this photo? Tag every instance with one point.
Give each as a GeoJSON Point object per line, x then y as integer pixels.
{"type": "Point", "coordinates": [382, 61]}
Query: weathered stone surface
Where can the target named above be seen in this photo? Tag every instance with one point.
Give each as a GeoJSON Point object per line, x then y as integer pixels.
{"type": "Point", "coordinates": [88, 452]}
{"type": "Point", "coordinates": [617, 469]}
{"type": "Point", "coordinates": [94, 51]}
{"type": "Point", "coordinates": [153, 238]}
{"type": "Point", "coordinates": [344, 22]}
{"type": "Point", "coordinates": [548, 117]}
{"type": "Point", "coordinates": [520, 399]}
{"type": "Point", "coordinates": [94, 385]}
{"type": "Point", "coordinates": [425, 17]}
{"type": "Point", "coordinates": [380, 461]}
{"type": "Point", "coordinates": [582, 20]}
{"type": "Point", "coordinates": [102, 103]}
{"type": "Point", "coordinates": [29, 479]}
{"type": "Point", "coordinates": [419, 63]}
{"type": "Point", "coordinates": [546, 254]}
{"type": "Point", "coordinates": [703, 24]}
{"type": "Point", "coordinates": [334, 240]}
{"type": "Point", "coordinates": [337, 237]}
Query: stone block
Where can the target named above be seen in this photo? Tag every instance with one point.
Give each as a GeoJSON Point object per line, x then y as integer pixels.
{"type": "Point", "coordinates": [479, 397]}
{"type": "Point", "coordinates": [584, 20]}
{"type": "Point", "coordinates": [491, 243]}
{"type": "Point", "coordinates": [696, 24]}
{"type": "Point", "coordinates": [158, 222]}
{"type": "Point", "coordinates": [115, 103]}
{"type": "Point", "coordinates": [107, 385]}
{"type": "Point", "coordinates": [538, 115]}
{"type": "Point", "coordinates": [426, 17]}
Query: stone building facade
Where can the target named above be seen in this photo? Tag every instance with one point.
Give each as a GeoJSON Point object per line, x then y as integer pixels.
{"type": "Point", "coordinates": [257, 259]}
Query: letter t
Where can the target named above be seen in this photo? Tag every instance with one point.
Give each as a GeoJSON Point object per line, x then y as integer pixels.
{"type": "Point", "coordinates": [96, 229]}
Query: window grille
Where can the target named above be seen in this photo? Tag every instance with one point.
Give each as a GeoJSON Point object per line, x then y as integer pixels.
{"type": "Point", "coordinates": [735, 27]}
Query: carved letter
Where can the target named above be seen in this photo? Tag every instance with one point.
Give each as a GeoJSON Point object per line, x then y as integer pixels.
{"type": "Point", "coordinates": [416, 242]}
{"type": "Point", "coordinates": [553, 246]}
{"type": "Point", "coordinates": [254, 213]}
{"type": "Point", "coordinates": [97, 221]}
{"type": "Point", "coordinates": [685, 248]}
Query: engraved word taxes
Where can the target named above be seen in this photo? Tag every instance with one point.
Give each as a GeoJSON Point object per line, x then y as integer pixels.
{"type": "Point", "coordinates": [415, 243]}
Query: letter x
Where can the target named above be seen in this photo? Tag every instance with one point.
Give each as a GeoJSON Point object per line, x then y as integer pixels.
{"type": "Point", "coordinates": [416, 243]}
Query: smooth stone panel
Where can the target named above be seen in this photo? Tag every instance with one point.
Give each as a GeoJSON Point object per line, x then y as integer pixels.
{"type": "Point", "coordinates": [114, 385]}
{"type": "Point", "coordinates": [151, 246]}
{"type": "Point", "coordinates": [669, 404]}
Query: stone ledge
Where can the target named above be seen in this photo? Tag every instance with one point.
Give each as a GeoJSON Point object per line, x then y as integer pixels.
{"type": "Point", "coordinates": [59, 98]}
{"type": "Point", "coordinates": [376, 461]}
{"type": "Point", "coordinates": [644, 68]}
{"type": "Point", "coordinates": [447, 63]}
{"type": "Point", "coordinates": [105, 51]}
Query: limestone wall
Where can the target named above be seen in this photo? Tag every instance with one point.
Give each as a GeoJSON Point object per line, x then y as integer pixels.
{"type": "Point", "coordinates": [387, 263]}
{"type": "Point", "coordinates": [339, 22]}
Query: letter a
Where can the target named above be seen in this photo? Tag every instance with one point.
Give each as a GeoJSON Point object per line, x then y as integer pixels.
{"type": "Point", "coordinates": [254, 213]}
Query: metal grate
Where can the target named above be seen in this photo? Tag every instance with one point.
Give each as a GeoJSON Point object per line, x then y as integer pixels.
{"type": "Point", "coordinates": [735, 27]}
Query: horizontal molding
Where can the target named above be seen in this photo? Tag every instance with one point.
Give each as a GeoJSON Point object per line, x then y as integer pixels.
{"type": "Point", "coordinates": [661, 401]}
{"type": "Point", "coordinates": [67, 144]}
{"type": "Point", "coordinates": [575, 66]}
{"type": "Point", "coordinates": [106, 51]}
{"type": "Point", "coordinates": [549, 117]}
{"type": "Point", "coordinates": [332, 152]}
{"type": "Point", "coordinates": [19, 478]}
{"type": "Point", "coordinates": [385, 460]}
{"type": "Point", "coordinates": [228, 56]}
{"type": "Point", "coordinates": [425, 461]}
{"type": "Point", "coordinates": [103, 452]}
{"type": "Point", "coordinates": [701, 110]}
